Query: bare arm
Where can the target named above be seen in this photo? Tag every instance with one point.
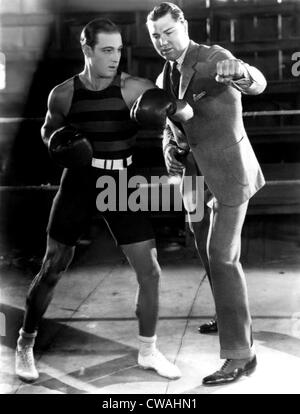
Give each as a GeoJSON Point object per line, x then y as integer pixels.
{"type": "Point", "coordinates": [134, 87]}
{"type": "Point", "coordinates": [59, 102]}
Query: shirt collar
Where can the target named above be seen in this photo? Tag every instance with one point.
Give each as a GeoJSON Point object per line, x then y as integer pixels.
{"type": "Point", "coordinates": [180, 59]}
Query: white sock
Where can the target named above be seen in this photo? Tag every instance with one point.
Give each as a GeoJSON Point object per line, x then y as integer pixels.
{"type": "Point", "coordinates": [147, 344]}
{"type": "Point", "coordinates": [26, 339]}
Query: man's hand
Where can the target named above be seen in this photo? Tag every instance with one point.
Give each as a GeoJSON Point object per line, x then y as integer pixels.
{"type": "Point", "coordinates": [230, 70]}
{"type": "Point", "coordinates": [70, 148]}
{"type": "Point", "coordinates": [174, 167]}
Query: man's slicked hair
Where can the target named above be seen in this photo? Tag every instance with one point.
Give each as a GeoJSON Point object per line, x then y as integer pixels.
{"type": "Point", "coordinates": [163, 9]}
{"type": "Point", "coordinates": [94, 27]}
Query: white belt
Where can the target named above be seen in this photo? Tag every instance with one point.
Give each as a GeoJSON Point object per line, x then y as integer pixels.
{"type": "Point", "coordinates": [120, 164]}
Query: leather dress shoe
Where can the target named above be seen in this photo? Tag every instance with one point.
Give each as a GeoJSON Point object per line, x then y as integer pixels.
{"type": "Point", "coordinates": [221, 377]}
{"type": "Point", "coordinates": [209, 327]}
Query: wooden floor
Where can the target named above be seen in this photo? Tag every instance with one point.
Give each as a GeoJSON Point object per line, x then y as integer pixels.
{"type": "Point", "coordinates": [87, 341]}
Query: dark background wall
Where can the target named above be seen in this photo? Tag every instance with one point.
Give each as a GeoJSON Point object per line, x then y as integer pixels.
{"type": "Point", "coordinates": [40, 41]}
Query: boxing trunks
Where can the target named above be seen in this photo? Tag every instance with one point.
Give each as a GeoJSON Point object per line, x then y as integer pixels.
{"type": "Point", "coordinates": [104, 118]}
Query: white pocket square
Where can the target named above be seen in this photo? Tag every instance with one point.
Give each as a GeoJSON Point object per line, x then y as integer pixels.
{"type": "Point", "coordinates": [197, 96]}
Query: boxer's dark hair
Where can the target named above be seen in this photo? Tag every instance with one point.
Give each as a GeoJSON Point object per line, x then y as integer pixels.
{"type": "Point", "coordinates": [90, 31]}
{"type": "Point", "coordinates": [164, 8]}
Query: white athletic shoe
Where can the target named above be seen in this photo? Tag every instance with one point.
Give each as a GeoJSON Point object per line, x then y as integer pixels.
{"type": "Point", "coordinates": [25, 367]}
{"type": "Point", "coordinates": [160, 364]}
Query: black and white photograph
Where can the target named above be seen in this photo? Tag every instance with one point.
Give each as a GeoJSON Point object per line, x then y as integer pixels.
{"type": "Point", "coordinates": [149, 199]}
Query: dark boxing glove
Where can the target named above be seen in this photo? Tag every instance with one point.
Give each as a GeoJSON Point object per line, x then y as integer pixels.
{"type": "Point", "coordinates": [155, 105]}
{"type": "Point", "coordinates": [181, 155]}
{"type": "Point", "coordinates": [69, 148]}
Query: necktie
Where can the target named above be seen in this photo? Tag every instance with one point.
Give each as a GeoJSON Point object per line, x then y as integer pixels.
{"type": "Point", "coordinates": [175, 78]}
{"type": "Point", "coordinates": [174, 84]}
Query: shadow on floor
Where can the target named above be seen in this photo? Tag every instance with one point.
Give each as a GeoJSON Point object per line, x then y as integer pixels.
{"type": "Point", "coordinates": [280, 342]}
{"type": "Point", "coordinates": [58, 339]}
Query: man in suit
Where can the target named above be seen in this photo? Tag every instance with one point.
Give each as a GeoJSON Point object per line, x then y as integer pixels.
{"type": "Point", "coordinates": [216, 146]}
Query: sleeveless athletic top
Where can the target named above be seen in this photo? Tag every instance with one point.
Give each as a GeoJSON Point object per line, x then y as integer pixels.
{"type": "Point", "coordinates": [104, 118]}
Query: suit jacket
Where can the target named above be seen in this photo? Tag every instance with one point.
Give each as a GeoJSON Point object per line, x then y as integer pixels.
{"type": "Point", "coordinates": [216, 134]}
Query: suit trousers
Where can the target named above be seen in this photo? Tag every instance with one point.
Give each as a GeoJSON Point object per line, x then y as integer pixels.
{"type": "Point", "coordinates": [218, 240]}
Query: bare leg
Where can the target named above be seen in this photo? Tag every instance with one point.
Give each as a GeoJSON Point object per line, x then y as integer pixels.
{"type": "Point", "coordinates": [143, 258]}
{"type": "Point", "coordinates": [56, 260]}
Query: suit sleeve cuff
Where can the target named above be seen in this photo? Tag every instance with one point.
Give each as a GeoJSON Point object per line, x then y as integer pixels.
{"type": "Point", "coordinates": [244, 83]}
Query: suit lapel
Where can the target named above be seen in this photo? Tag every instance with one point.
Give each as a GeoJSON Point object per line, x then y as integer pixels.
{"type": "Point", "coordinates": [186, 78]}
{"type": "Point", "coordinates": [188, 68]}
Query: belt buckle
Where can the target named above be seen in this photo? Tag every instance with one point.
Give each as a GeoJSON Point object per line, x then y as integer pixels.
{"type": "Point", "coordinates": [118, 164]}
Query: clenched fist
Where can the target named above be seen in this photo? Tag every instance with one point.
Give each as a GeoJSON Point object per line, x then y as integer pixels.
{"type": "Point", "coordinates": [172, 160]}
{"type": "Point", "coordinates": [229, 70]}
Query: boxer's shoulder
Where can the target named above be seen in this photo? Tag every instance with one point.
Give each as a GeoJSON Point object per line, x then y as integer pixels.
{"type": "Point", "coordinates": [136, 83]}
{"type": "Point", "coordinates": [63, 91]}
{"type": "Point", "coordinates": [134, 86]}
{"type": "Point", "coordinates": [61, 95]}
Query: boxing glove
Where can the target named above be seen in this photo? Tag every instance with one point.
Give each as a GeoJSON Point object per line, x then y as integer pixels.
{"type": "Point", "coordinates": [69, 148]}
{"type": "Point", "coordinates": [181, 155]}
{"type": "Point", "coordinates": [155, 105]}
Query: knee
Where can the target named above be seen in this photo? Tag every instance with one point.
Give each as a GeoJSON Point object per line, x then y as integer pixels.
{"type": "Point", "coordinates": [222, 256]}
{"type": "Point", "coordinates": [150, 275]}
{"type": "Point", "coordinates": [58, 258]}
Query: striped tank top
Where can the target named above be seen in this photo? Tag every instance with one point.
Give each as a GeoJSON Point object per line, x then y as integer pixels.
{"type": "Point", "coordinates": [104, 118]}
